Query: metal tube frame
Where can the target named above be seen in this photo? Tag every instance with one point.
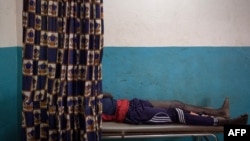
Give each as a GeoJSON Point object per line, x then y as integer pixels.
{"type": "Point", "coordinates": [123, 136]}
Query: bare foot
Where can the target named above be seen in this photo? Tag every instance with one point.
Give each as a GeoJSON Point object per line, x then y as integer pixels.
{"type": "Point", "coordinates": [225, 112]}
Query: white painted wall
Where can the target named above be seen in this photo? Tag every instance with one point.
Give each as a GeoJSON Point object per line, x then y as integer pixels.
{"type": "Point", "coordinates": [19, 17]}
{"type": "Point", "coordinates": [177, 22]}
{"type": "Point", "coordinates": [155, 23]}
{"type": "Point", "coordinates": [8, 26]}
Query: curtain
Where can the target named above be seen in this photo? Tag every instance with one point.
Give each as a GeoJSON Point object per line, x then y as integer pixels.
{"type": "Point", "coordinates": [62, 70]}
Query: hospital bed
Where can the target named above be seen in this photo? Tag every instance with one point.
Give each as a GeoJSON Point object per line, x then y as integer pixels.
{"type": "Point", "coordinates": [114, 130]}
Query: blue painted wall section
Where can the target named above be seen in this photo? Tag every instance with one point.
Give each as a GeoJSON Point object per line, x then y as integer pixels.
{"type": "Point", "coordinates": [197, 75]}
{"type": "Point", "coordinates": [10, 94]}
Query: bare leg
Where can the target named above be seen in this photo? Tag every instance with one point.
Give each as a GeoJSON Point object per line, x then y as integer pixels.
{"type": "Point", "coordinates": [220, 112]}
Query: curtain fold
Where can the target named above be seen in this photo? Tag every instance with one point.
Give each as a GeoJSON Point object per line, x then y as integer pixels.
{"type": "Point", "coordinates": [62, 70]}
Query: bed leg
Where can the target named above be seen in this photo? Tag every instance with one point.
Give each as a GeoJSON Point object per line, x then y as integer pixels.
{"type": "Point", "coordinates": [198, 138]}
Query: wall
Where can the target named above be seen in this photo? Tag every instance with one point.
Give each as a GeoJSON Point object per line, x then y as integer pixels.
{"type": "Point", "coordinates": [198, 75]}
{"type": "Point", "coordinates": [8, 23]}
{"type": "Point", "coordinates": [176, 23]}
{"type": "Point", "coordinates": [10, 73]}
{"type": "Point", "coordinates": [10, 93]}
{"type": "Point", "coordinates": [196, 50]}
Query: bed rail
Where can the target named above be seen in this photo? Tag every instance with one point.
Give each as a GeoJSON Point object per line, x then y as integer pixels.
{"type": "Point", "coordinates": [113, 130]}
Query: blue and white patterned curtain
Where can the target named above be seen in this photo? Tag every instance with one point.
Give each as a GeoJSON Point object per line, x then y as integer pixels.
{"type": "Point", "coordinates": [62, 74]}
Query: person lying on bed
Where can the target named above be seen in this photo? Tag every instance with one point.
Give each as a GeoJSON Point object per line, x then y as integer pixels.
{"type": "Point", "coordinates": [139, 111]}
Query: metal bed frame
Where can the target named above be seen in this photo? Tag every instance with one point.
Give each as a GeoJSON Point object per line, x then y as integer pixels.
{"type": "Point", "coordinates": [113, 130]}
